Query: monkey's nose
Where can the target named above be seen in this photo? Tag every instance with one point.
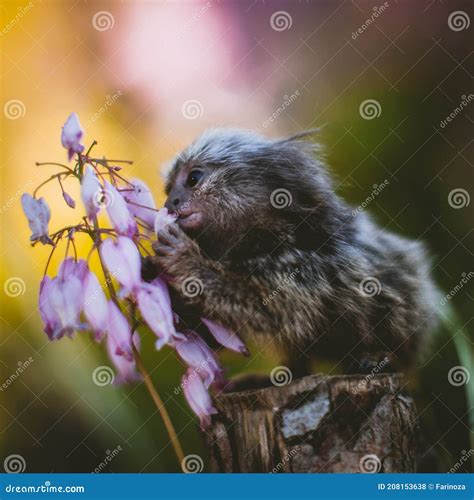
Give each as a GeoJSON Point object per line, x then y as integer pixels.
{"type": "Point", "coordinates": [172, 203]}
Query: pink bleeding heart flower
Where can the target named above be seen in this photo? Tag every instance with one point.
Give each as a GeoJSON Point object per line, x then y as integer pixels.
{"type": "Point", "coordinates": [119, 331]}
{"type": "Point", "coordinates": [51, 320]}
{"type": "Point", "coordinates": [163, 219]}
{"type": "Point", "coordinates": [197, 396]}
{"type": "Point", "coordinates": [122, 259]}
{"type": "Point", "coordinates": [68, 199]}
{"type": "Point", "coordinates": [226, 337]}
{"type": "Point", "coordinates": [96, 308]}
{"type": "Point", "coordinates": [141, 203]}
{"type": "Point", "coordinates": [38, 214]}
{"type": "Point", "coordinates": [91, 191]}
{"type": "Point", "coordinates": [199, 356]}
{"type": "Point", "coordinates": [155, 306]}
{"type": "Point", "coordinates": [118, 212]}
{"type": "Point", "coordinates": [65, 298]}
{"type": "Point", "coordinates": [71, 136]}
{"type": "Point", "coordinates": [71, 267]}
{"type": "Point", "coordinates": [125, 367]}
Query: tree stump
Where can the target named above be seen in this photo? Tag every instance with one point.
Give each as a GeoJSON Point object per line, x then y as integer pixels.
{"type": "Point", "coordinates": [318, 423]}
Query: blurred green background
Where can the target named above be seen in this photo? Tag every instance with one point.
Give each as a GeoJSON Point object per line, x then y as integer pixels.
{"type": "Point", "coordinates": [147, 77]}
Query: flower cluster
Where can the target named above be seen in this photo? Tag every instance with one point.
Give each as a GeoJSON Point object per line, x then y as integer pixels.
{"type": "Point", "coordinates": [75, 300]}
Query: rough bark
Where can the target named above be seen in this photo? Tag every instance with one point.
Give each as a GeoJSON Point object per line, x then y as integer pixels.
{"type": "Point", "coordinates": [316, 424]}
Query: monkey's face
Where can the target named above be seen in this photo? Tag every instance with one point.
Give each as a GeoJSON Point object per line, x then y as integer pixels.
{"type": "Point", "coordinates": [212, 201]}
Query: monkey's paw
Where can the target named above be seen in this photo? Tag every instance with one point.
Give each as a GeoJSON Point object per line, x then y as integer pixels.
{"type": "Point", "coordinates": [176, 252]}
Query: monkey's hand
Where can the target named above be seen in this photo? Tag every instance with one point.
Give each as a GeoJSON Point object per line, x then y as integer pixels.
{"type": "Point", "coordinates": [177, 254]}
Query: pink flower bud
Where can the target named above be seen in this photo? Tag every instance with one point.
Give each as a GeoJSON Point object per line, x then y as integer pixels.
{"type": "Point", "coordinates": [163, 219]}
{"type": "Point", "coordinates": [126, 368]}
{"type": "Point", "coordinates": [38, 214]}
{"type": "Point", "coordinates": [122, 259]}
{"type": "Point", "coordinates": [96, 308]}
{"type": "Point", "coordinates": [139, 198]}
{"type": "Point", "coordinates": [198, 398]}
{"type": "Point", "coordinates": [71, 136]}
{"type": "Point", "coordinates": [199, 356]}
{"type": "Point", "coordinates": [91, 190]}
{"type": "Point", "coordinates": [226, 337]}
{"type": "Point", "coordinates": [119, 332]}
{"type": "Point", "coordinates": [52, 322]}
{"type": "Point", "coordinates": [155, 306]}
{"type": "Point", "coordinates": [69, 201]}
{"type": "Point", "coordinates": [118, 212]}
{"type": "Point", "coordinates": [65, 299]}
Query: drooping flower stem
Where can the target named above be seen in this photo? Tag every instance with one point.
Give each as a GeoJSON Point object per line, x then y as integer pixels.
{"type": "Point", "coordinates": [160, 406]}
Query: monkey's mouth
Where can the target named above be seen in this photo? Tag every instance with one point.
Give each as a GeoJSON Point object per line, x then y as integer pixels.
{"type": "Point", "coordinates": [191, 220]}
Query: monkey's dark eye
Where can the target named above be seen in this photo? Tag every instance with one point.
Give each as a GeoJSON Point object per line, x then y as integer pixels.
{"type": "Point", "coordinates": [194, 177]}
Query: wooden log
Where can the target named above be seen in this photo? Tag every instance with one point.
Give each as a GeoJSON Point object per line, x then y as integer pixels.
{"type": "Point", "coordinates": [318, 423]}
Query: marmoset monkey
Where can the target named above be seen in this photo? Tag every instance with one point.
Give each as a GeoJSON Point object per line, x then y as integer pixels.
{"type": "Point", "coordinates": [265, 247]}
